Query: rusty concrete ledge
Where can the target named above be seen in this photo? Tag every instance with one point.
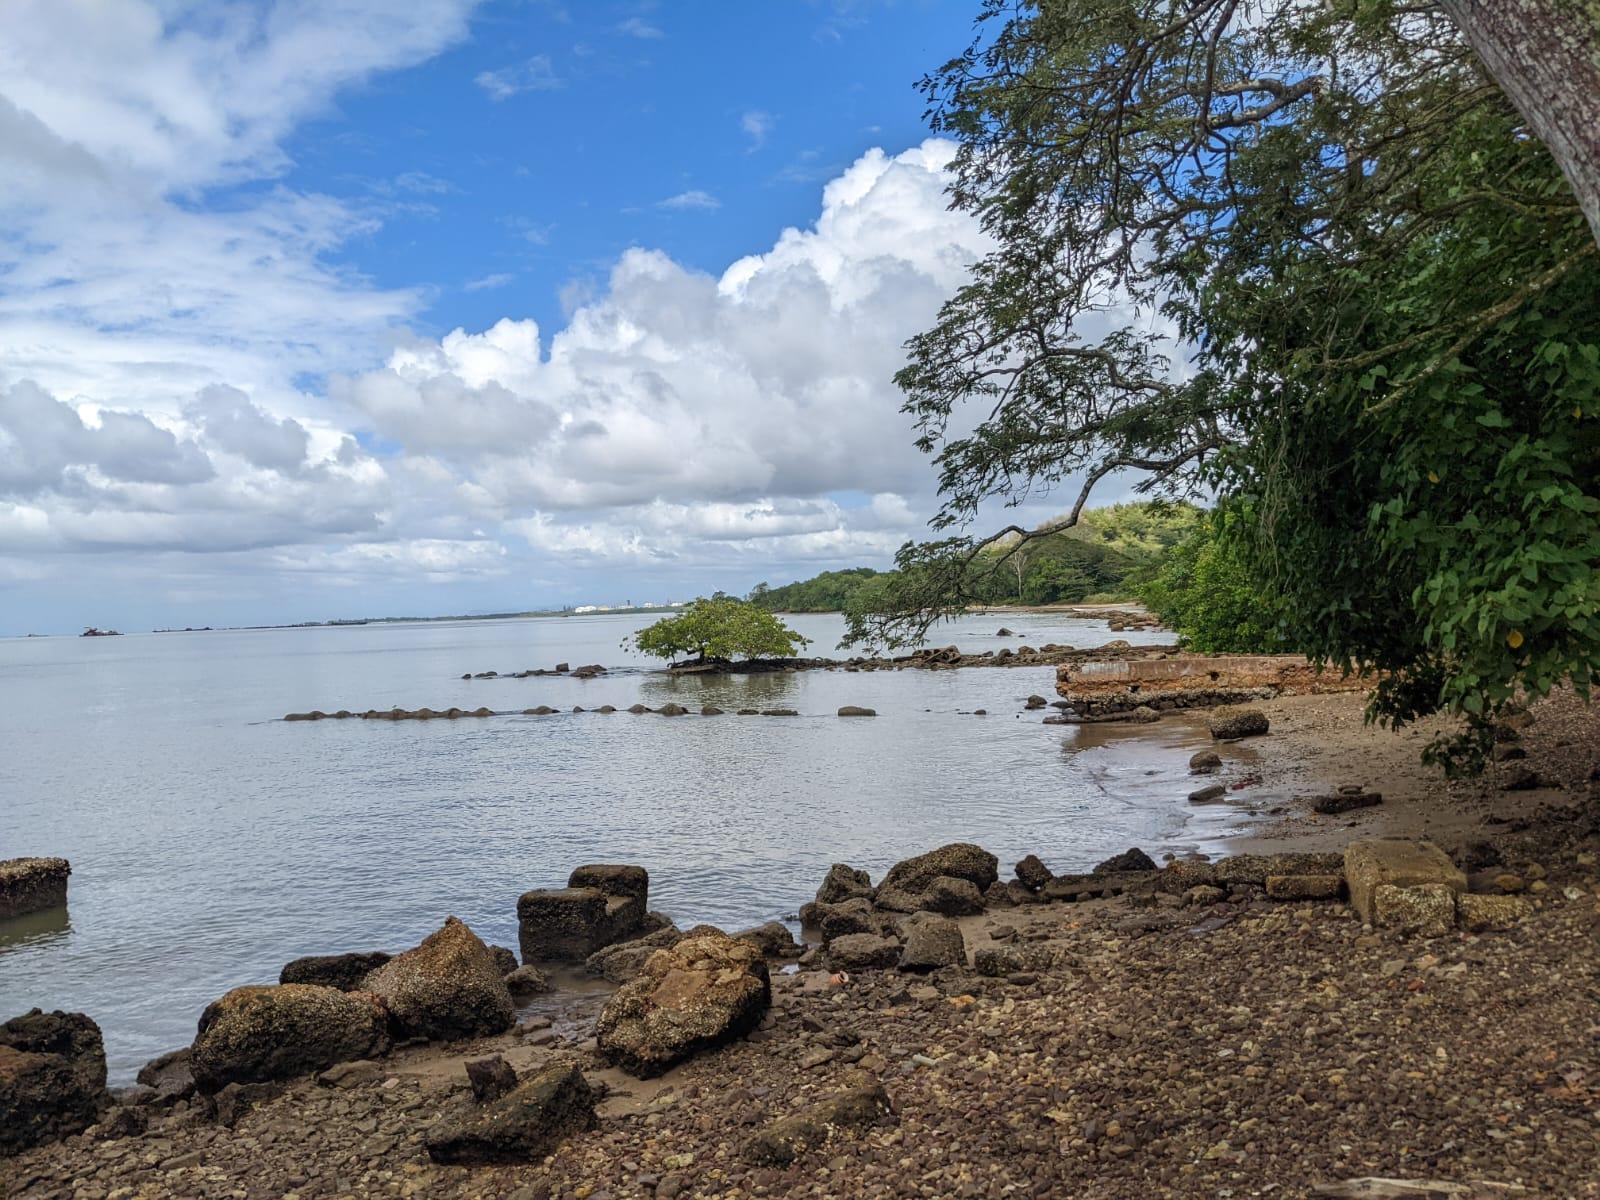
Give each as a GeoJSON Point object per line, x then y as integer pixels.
{"type": "Point", "coordinates": [1100, 686]}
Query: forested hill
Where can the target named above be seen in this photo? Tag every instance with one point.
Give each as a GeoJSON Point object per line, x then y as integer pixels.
{"type": "Point", "coordinates": [1109, 553]}
{"type": "Point", "coordinates": [828, 592]}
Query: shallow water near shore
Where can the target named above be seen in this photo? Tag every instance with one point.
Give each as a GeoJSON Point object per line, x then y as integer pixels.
{"type": "Point", "coordinates": [211, 841]}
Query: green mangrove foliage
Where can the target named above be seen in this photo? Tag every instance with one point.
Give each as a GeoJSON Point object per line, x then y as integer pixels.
{"type": "Point", "coordinates": [720, 628]}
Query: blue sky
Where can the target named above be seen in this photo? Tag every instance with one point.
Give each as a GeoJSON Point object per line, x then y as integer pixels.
{"type": "Point", "coordinates": [698, 129]}
{"type": "Point", "coordinates": [316, 310]}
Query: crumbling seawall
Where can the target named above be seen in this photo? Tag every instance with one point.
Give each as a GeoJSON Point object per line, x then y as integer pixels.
{"type": "Point", "coordinates": [1110, 687]}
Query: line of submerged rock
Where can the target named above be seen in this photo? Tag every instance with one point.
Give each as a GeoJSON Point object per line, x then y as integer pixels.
{"type": "Point", "coordinates": [544, 710]}
{"type": "Point", "coordinates": [941, 658]}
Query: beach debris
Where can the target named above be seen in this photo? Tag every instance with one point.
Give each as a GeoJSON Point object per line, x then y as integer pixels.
{"type": "Point", "coordinates": [1304, 887]}
{"type": "Point", "coordinates": [1376, 1188]}
{"type": "Point", "coordinates": [1400, 863]}
{"type": "Point", "coordinates": [1478, 914]}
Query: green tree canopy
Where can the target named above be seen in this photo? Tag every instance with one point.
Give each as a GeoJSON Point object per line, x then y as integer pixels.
{"type": "Point", "coordinates": [1303, 257]}
{"type": "Point", "coordinates": [719, 628]}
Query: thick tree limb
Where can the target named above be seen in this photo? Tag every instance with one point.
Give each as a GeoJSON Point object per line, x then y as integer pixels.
{"type": "Point", "coordinates": [1545, 54]}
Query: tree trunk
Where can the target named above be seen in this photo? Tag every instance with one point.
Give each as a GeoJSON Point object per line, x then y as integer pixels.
{"type": "Point", "coordinates": [1545, 55]}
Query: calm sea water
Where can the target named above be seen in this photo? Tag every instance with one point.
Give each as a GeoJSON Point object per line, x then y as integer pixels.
{"type": "Point", "coordinates": [211, 841]}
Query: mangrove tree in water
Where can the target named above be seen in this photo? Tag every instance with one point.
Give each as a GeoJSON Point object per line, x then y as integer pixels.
{"type": "Point", "coordinates": [719, 629]}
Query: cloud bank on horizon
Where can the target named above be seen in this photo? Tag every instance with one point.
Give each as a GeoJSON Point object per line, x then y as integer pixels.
{"type": "Point", "coordinates": [199, 405]}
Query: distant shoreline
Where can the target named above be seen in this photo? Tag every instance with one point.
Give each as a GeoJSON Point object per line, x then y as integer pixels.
{"type": "Point", "coordinates": [1085, 611]}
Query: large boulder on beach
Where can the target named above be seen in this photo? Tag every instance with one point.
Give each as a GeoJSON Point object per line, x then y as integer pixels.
{"type": "Point", "coordinates": [843, 882]}
{"type": "Point", "coordinates": [942, 894]}
{"type": "Point", "coordinates": [614, 879]}
{"type": "Point", "coordinates": [863, 952]}
{"type": "Point", "coordinates": [1230, 723]}
{"type": "Point", "coordinates": [959, 860]}
{"type": "Point", "coordinates": [254, 1034]}
{"type": "Point", "coordinates": [343, 971]}
{"type": "Point", "coordinates": [1032, 873]}
{"type": "Point", "coordinates": [844, 918]}
{"type": "Point", "coordinates": [448, 987]}
{"type": "Point", "coordinates": [932, 942]}
{"type": "Point", "coordinates": [773, 939]}
{"type": "Point", "coordinates": [702, 992]}
{"type": "Point", "coordinates": [622, 961]}
{"type": "Point", "coordinates": [29, 885]}
{"type": "Point", "coordinates": [1129, 860]}
{"type": "Point", "coordinates": [603, 903]}
{"type": "Point", "coordinates": [52, 1078]}
{"type": "Point", "coordinates": [169, 1074]}
{"type": "Point", "coordinates": [521, 1126]}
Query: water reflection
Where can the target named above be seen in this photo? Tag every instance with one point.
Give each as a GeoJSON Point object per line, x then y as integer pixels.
{"type": "Point", "coordinates": [35, 929]}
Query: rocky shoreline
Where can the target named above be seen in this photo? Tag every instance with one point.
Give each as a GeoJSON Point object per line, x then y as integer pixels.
{"type": "Point", "coordinates": [1262, 1024]}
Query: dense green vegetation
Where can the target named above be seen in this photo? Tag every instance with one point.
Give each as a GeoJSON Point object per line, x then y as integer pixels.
{"type": "Point", "coordinates": [719, 628]}
{"type": "Point", "coordinates": [830, 591]}
{"type": "Point", "coordinates": [1379, 346]}
{"type": "Point", "coordinates": [1203, 589]}
{"type": "Point", "coordinates": [1109, 552]}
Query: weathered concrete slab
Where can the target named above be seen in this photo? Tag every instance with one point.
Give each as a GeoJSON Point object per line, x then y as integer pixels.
{"type": "Point", "coordinates": [30, 885]}
{"type": "Point", "coordinates": [1398, 862]}
{"type": "Point", "coordinates": [1477, 914]}
{"type": "Point", "coordinates": [1115, 684]}
{"type": "Point", "coordinates": [1425, 909]}
{"type": "Point", "coordinates": [1304, 887]}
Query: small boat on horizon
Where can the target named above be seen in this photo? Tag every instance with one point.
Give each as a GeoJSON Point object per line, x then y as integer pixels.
{"type": "Point", "coordinates": [93, 632]}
